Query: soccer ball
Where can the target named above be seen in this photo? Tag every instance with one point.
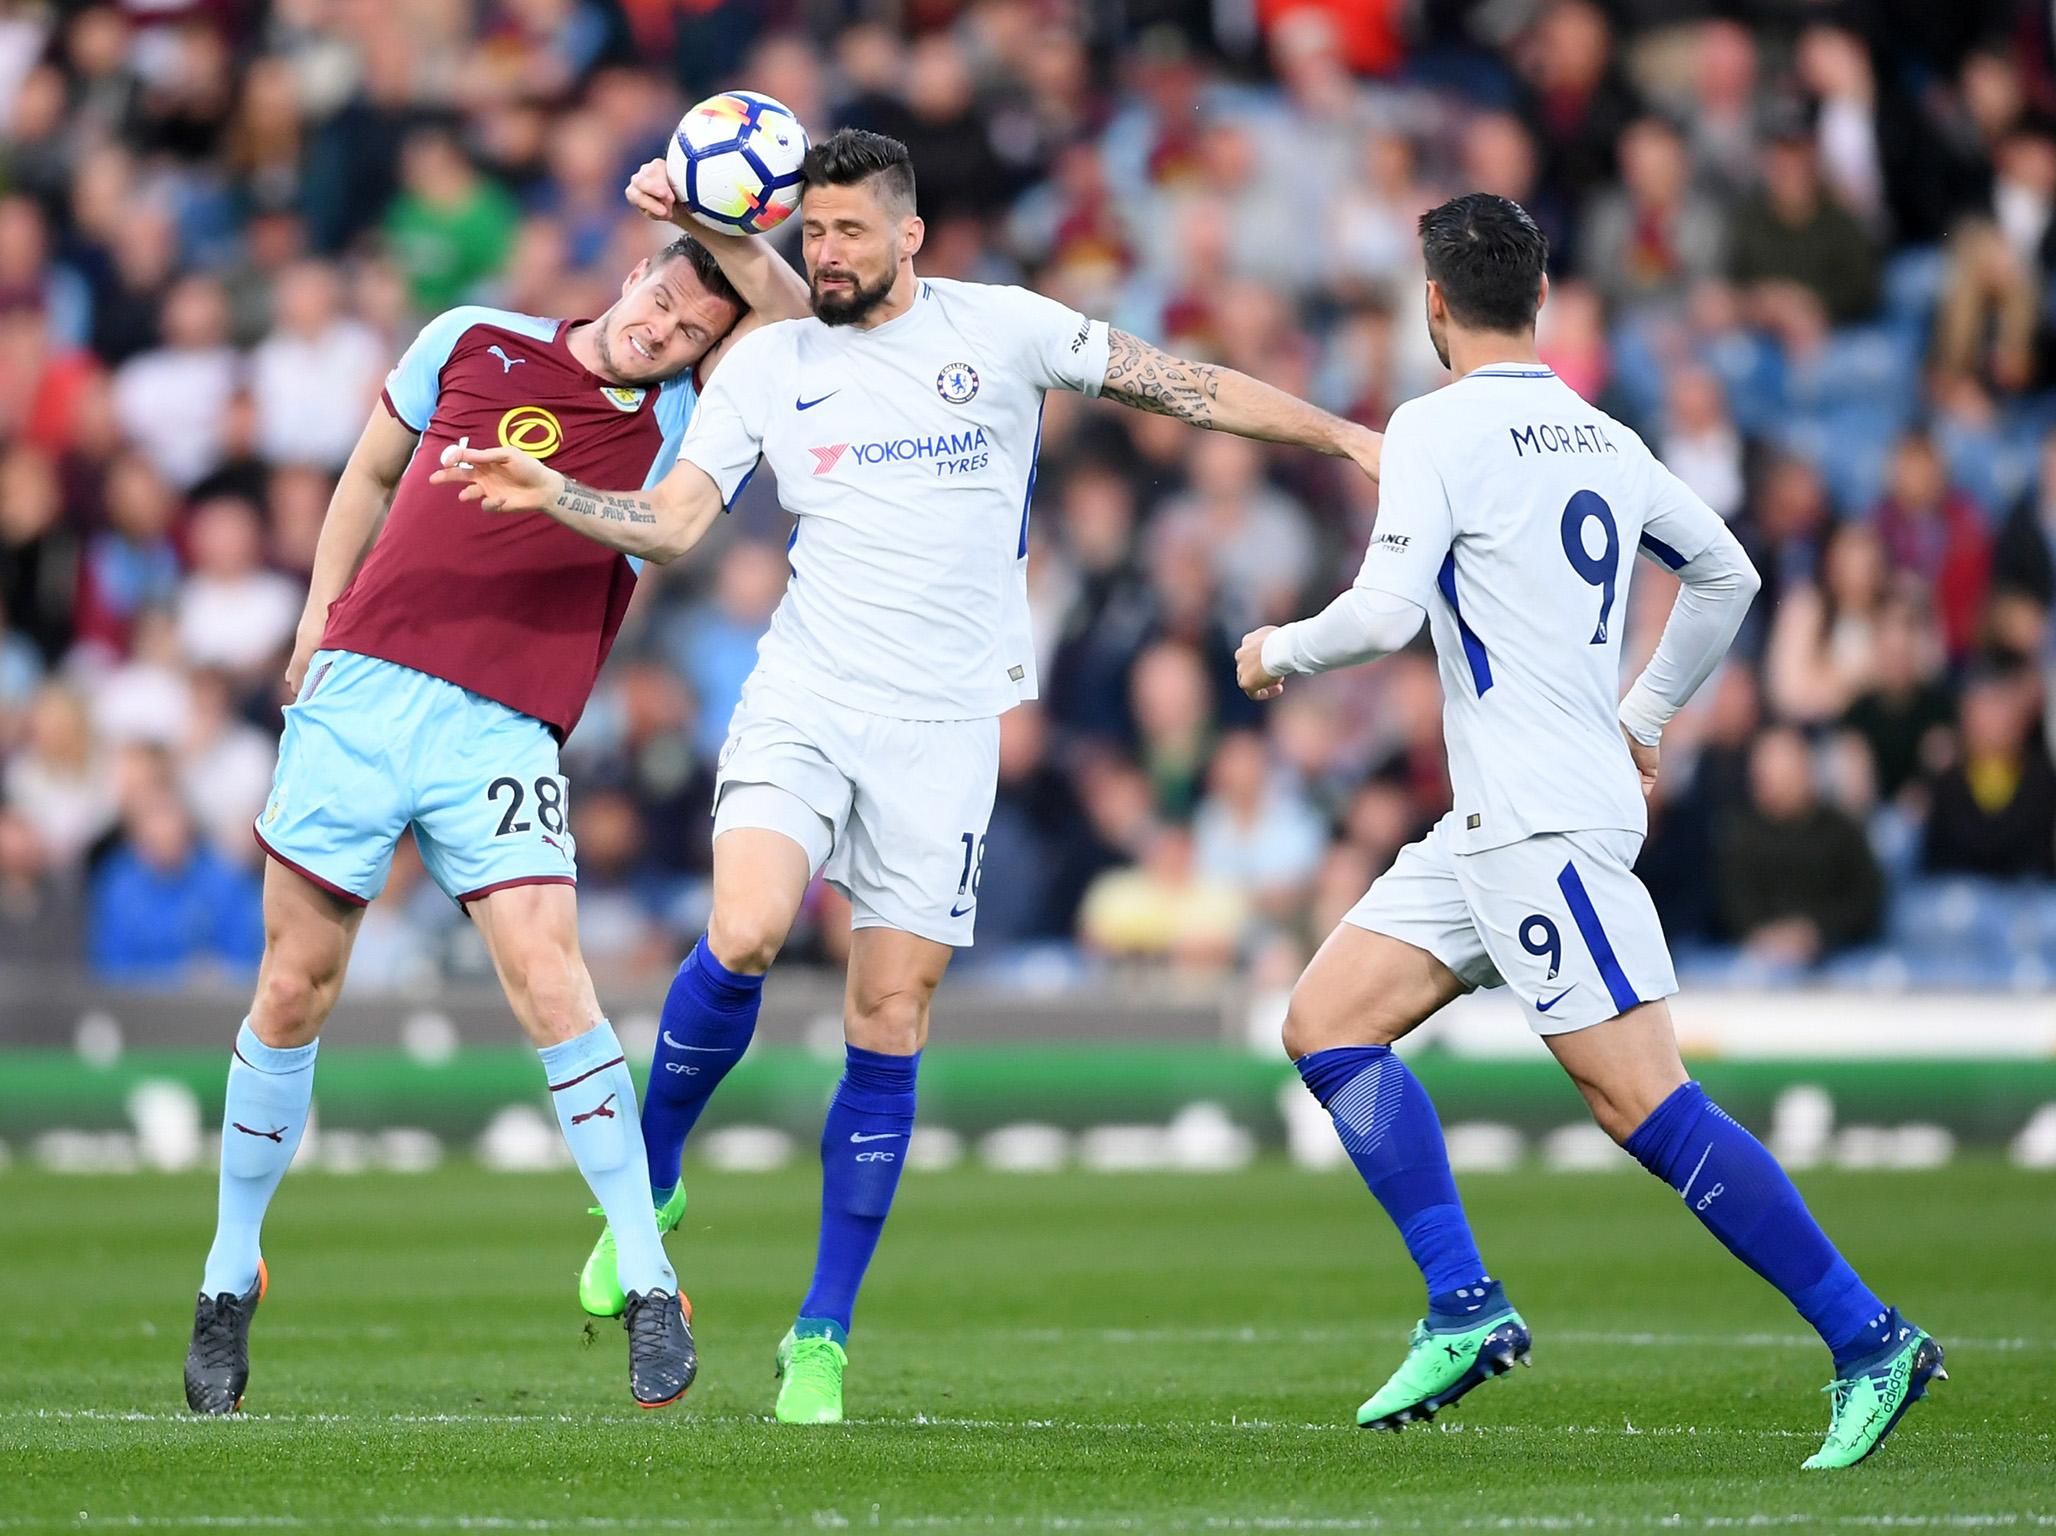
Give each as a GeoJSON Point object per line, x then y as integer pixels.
{"type": "Point", "coordinates": [735, 162]}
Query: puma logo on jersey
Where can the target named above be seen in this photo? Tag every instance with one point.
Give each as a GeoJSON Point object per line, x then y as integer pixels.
{"type": "Point", "coordinates": [506, 363]}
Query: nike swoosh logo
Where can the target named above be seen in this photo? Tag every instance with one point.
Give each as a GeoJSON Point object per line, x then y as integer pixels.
{"type": "Point", "coordinates": [808, 405]}
{"type": "Point", "coordinates": [680, 1045]}
{"type": "Point", "coordinates": [860, 1136]}
{"type": "Point", "coordinates": [1566, 992]}
{"type": "Point", "coordinates": [960, 911]}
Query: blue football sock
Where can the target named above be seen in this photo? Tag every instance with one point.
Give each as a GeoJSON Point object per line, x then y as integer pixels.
{"type": "Point", "coordinates": [1746, 1200]}
{"type": "Point", "coordinates": [863, 1149]}
{"type": "Point", "coordinates": [1388, 1126]}
{"type": "Point", "coordinates": [709, 1015]}
{"type": "Point", "coordinates": [595, 1102]}
{"type": "Point", "coordinates": [261, 1124]}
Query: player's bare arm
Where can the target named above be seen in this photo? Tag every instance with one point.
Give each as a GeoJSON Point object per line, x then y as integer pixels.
{"type": "Point", "coordinates": [766, 281]}
{"type": "Point", "coordinates": [658, 524]}
{"type": "Point", "coordinates": [1222, 400]}
{"type": "Point", "coordinates": [355, 514]}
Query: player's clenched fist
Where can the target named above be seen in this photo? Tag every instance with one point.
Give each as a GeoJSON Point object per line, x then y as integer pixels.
{"type": "Point", "coordinates": [649, 192]}
{"type": "Point", "coordinates": [1250, 675]}
{"type": "Point", "coordinates": [498, 479]}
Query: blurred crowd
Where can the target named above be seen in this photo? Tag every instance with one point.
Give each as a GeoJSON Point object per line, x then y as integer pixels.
{"type": "Point", "coordinates": [1806, 249]}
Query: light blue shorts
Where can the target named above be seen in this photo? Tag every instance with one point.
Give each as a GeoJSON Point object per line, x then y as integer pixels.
{"type": "Point", "coordinates": [371, 747]}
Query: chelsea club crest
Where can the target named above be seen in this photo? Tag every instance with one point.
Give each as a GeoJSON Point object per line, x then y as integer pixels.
{"type": "Point", "coordinates": [957, 383]}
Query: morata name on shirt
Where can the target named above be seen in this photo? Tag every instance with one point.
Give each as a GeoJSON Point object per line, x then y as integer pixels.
{"type": "Point", "coordinates": [1551, 437]}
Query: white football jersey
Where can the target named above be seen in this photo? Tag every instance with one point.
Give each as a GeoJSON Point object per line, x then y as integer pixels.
{"type": "Point", "coordinates": [907, 455]}
{"type": "Point", "coordinates": [1512, 511]}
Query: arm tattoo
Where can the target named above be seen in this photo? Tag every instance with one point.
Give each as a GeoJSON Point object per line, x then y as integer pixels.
{"type": "Point", "coordinates": [609, 506]}
{"type": "Point", "coordinates": [1140, 375]}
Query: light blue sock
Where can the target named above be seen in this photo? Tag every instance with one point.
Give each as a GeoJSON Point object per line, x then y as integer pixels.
{"type": "Point", "coordinates": [261, 1124]}
{"type": "Point", "coordinates": [863, 1150]}
{"type": "Point", "coordinates": [595, 1101]}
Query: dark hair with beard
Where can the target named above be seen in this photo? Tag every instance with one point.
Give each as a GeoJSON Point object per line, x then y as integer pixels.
{"type": "Point", "coordinates": [852, 155]}
{"type": "Point", "coordinates": [1487, 256]}
{"type": "Point", "coordinates": [704, 267]}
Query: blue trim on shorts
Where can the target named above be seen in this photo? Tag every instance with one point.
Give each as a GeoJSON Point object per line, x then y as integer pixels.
{"type": "Point", "coordinates": [1587, 919]}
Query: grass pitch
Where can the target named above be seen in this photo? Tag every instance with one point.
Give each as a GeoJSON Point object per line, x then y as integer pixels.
{"type": "Point", "coordinates": [1079, 1353]}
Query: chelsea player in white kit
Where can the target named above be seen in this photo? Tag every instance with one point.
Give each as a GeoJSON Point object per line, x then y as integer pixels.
{"type": "Point", "coordinates": [1510, 514]}
{"type": "Point", "coordinates": [902, 422]}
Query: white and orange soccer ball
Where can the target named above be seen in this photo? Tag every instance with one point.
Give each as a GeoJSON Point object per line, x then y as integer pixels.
{"type": "Point", "coordinates": [735, 162]}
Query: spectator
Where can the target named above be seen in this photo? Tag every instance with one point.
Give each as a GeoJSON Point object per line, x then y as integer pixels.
{"type": "Point", "coordinates": [59, 780]}
{"type": "Point", "coordinates": [1994, 810]}
{"type": "Point", "coordinates": [1822, 641]}
{"type": "Point", "coordinates": [40, 910]}
{"type": "Point", "coordinates": [1255, 536]}
{"type": "Point", "coordinates": [1793, 238]}
{"type": "Point", "coordinates": [233, 613]}
{"type": "Point", "coordinates": [2024, 556]}
{"type": "Point", "coordinates": [164, 909]}
{"type": "Point", "coordinates": [1903, 717]}
{"type": "Point", "coordinates": [715, 647]}
{"type": "Point", "coordinates": [171, 400]}
{"type": "Point", "coordinates": [1164, 909]}
{"type": "Point", "coordinates": [130, 565]}
{"type": "Point", "coordinates": [1039, 846]}
{"type": "Point", "coordinates": [618, 894]}
{"type": "Point", "coordinates": [1700, 444]}
{"type": "Point", "coordinates": [1797, 877]}
{"type": "Point", "coordinates": [1104, 627]}
{"type": "Point", "coordinates": [449, 229]}
{"type": "Point", "coordinates": [224, 766]}
{"type": "Point", "coordinates": [316, 375]}
{"type": "Point", "coordinates": [1932, 532]}
{"type": "Point", "coordinates": [1174, 722]}
{"type": "Point", "coordinates": [1651, 239]}
{"type": "Point", "coordinates": [39, 554]}
{"type": "Point", "coordinates": [1254, 833]}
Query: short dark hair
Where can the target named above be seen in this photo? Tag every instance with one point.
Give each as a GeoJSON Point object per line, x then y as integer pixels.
{"type": "Point", "coordinates": [1487, 255]}
{"type": "Point", "coordinates": [850, 156]}
{"type": "Point", "coordinates": [704, 267]}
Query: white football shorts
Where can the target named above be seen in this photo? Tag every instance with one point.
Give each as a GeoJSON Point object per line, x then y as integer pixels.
{"type": "Point", "coordinates": [906, 801]}
{"type": "Point", "coordinates": [1559, 917]}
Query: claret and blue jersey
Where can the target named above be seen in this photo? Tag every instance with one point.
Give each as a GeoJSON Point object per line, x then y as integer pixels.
{"type": "Point", "coordinates": [468, 643]}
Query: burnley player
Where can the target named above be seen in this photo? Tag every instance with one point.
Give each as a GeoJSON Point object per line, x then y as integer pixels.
{"type": "Point", "coordinates": [901, 421]}
{"type": "Point", "coordinates": [434, 681]}
{"type": "Point", "coordinates": [1509, 519]}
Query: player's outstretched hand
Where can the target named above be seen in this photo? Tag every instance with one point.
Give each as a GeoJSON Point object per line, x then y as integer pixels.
{"type": "Point", "coordinates": [1645, 763]}
{"type": "Point", "coordinates": [1250, 675]}
{"type": "Point", "coordinates": [649, 192]}
{"type": "Point", "coordinates": [1367, 451]}
{"type": "Point", "coordinates": [498, 479]}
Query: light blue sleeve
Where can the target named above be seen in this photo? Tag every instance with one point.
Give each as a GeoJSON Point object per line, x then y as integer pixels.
{"type": "Point", "coordinates": [416, 382]}
{"type": "Point", "coordinates": [675, 402]}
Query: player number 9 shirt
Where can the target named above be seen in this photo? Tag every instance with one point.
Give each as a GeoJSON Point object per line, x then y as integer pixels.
{"type": "Point", "coordinates": [906, 454]}
{"type": "Point", "coordinates": [1513, 512]}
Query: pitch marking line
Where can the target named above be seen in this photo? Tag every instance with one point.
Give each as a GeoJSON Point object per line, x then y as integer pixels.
{"type": "Point", "coordinates": [830, 1520]}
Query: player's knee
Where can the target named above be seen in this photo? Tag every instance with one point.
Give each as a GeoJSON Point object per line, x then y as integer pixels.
{"type": "Point", "coordinates": [290, 1006]}
{"type": "Point", "coordinates": [893, 1021]}
{"type": "Point", "coordinates": [1312, 1024]}
{"type": "Point", "coordinates": [746, 942]}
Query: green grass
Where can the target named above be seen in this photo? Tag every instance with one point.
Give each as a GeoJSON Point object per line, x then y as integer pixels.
{"type": "Point", "coordinates": [1080, 1353]}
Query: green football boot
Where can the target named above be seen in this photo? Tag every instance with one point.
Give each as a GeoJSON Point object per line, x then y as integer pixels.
{"type": "Point", "coordinates": [810, 1371]}
{"type": "Point", "coordinates": [1870, 1401]}
{"type": "Point", "coordinates": [599, 1283]}
{"type": "Point", "coordinates": [1441, 1366]}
